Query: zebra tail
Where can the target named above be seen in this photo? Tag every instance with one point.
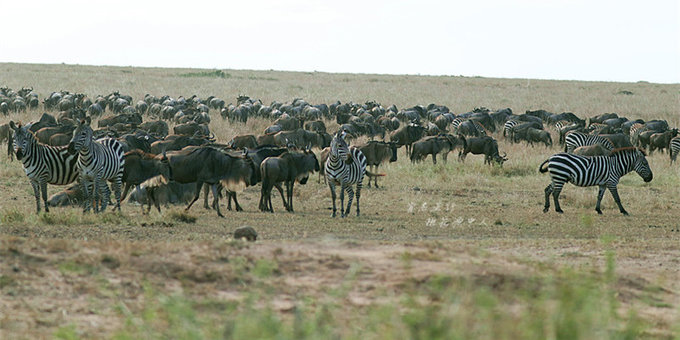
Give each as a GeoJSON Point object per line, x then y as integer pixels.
{"type": "Point", "coordinates": [370, 174]}
{"type": "Point", "coordinates": [540, 168]}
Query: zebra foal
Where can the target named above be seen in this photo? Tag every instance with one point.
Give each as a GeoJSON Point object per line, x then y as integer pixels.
{"type": "Point", "coordinates": [603, 171]}
{"type": "Point", "coordinates": [43, 164]}
{"type": "Point", "coordinates": [345, 166]}
{"type": "Point", "coordinates": [98, 160]}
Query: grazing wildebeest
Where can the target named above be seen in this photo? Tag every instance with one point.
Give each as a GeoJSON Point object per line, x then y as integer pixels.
{"type": "Point", "coordinates": [377, 153]}
{"type": "Point", "coordinates": [486, 146]}
{"type": "Point", "coordinates": [538, 136]}
{"type": "Point", "coordinates": [407, 135]}
{"type": "Point", "coordinates": [287, 168]}
{"type": "Point", "coordinates": [661, 140]}
{"type": "Point", "coordinates": [209, 165]}
{"type": "Point", "coordinates": [434, 145]}
{"type": "Point", "coordinates": [140, 166]}
{"type": "Point", "coordinates": [603, 171]}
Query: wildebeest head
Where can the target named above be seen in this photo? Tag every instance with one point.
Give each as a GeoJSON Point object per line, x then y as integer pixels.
{"type": "Point", "coordinates": [23, 138]}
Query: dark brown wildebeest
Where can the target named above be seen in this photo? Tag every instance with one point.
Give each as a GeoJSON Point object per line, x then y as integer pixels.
{"type": "Point", "coordinates": [288, 123]}
{"type": "Point", "coordinates": [316, 126]}
{"type": "Point", "coordinates": [43, 135]}
{"type": "Point", "coordinates": [618, 140]}
{"type": "Point", "coordinates": [59, 139]}
{"type": "Point", "coordinates": [266, 139]}
{"type": "Point", "coordinates": [140, 166]}
{"type": "Point", "coordinates": [434, 145]}
{"type": "Point", "coordinates": [486, 146]}
{"type": "Point", "coordinates": [407, 135]}
{"type": "Point", "coordinates": [158, 128]}
{"type": "Point", "coordinates": [72, 195]}
{"type": "Point", "coordinates": [125, 118]}
{"type": "Point", "coordinates": [287, 168]}
{"type": "Point", "coordinates": [592, 150]}
{"type": "Point", "coordinates": [661, 140]}
{"type": "Point", "coordinates": [209, 165]}
{"type": "Point", "coordinates": [534, 135]}
{"type": "Point", "coordinates": [191, 129]}
{"type": "Point", "coordinates": [243, 141]}
{"type": "Point", "coordinates": [376, 153]}
{"type": "Point", "coordinates": [176, 142]}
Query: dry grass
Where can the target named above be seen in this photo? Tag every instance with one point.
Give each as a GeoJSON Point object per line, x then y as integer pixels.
{"type": "Point", "coordinates": [461, 219]}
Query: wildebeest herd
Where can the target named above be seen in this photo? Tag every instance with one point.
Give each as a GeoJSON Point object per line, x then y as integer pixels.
{"type": "Point", "coordinates": [132, 146]}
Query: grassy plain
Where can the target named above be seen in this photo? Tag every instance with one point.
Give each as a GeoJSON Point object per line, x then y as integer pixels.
{"type": "Point", "coordinates": [457, 250]}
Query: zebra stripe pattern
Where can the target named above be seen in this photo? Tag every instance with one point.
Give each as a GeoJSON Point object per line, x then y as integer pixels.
{"type": "Point", "coordinates": [507, 127]}
{"type": "Point", "coordinates": [43, 164]}
{"type": "Point", "coordinates": [98, 161]}
{"type": "Point", "coordinates": [345, 166]}
{"type": "Point", "coordinates": [603, 171]}
{"type": "Point", "coordinates": [455, 123]}
{"type": "Point", "coordinates": [674, 146]}
{"type": "Point", "coordinates": [576, 139]}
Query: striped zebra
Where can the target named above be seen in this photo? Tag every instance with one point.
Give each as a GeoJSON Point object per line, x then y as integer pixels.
{"type": "Point", "coordinates": [98, 161]}
{"type": "Point", "coordinates": [43, 164]}
{"type": "Point", "coordinates": [346, 165]}
{"type": "Point", "coordinates": [603, 171]}
{"type": "Point", "coordinates": [575, 139]}
{"type": "Point", "coordinates": [674, 146]}
{"type": "Point", "coordinates": [455, 123]}
{"type": "Point", "coordinates": [507, 127]}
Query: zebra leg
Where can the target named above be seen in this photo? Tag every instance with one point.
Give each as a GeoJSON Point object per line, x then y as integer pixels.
{"type": "Point", "coordinates": [105, 194]}
{"type": "Point", "coordinates": [115, 185]}
{"type": "Point", "coordinates": [556, 196]}
{"type": "Point", "coordinates": [617, 199]}
{"type": "Point", "coordinates": [96, 194]}
{"type": "Point", "coordinates": [548, 191]}
{"type": "Point", "coordinates": [359, 185]}
{"type": "Point", "coordinates": [600, 194]}
{"type": "Point", "coordinates": [87, 194]}
{"type": "Point", "coordinates": [36, 192]}
{"type": "Point", "coordinates": [43, 188]}
{"type": "Point", "coordinates": [331, 185]}
{"type": "Point", "coordinates": [350, 198]}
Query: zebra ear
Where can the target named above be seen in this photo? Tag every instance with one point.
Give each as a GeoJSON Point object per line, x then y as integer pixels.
{"type": "Point", "coordinates": [13, 126]}
{"type": "Point", "coordinates": [88, 120]}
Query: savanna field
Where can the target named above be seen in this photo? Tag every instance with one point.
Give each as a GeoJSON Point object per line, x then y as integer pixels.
{"type": "Point", "coordinates": [445, 251]}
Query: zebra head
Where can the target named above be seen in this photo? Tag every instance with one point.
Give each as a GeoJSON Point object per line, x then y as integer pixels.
{"type": "Point", "coordinates": [339, 148]}
{"type": "Point", "coordinates": [641, 166]}
{"type": "Point", "coordinates": [82, 137]}
{"type": "Point", "coordinates": [23, 139]}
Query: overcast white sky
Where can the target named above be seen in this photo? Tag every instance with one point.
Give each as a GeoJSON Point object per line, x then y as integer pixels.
{"type": "Point", "coordinates": [563, 39]}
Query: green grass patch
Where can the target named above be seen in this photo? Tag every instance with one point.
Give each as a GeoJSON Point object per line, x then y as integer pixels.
{"type": "Point", "coordinates": [12, 215]}
{"type": "Point", "coordinates": [206, 74]}
{"type": "Point", "coordinates": [181, 216]}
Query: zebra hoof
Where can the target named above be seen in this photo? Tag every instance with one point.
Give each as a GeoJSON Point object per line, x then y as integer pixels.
{"type": "Point", "coordinates": [599, 212]}
{"type": "Point", "coordinates": [559, 211]}
{"type": "Point", "coordinates": [625, 213]}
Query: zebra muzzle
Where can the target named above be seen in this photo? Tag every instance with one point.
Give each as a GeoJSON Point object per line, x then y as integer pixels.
{"type": "Point", "coordinates": [19, 153]}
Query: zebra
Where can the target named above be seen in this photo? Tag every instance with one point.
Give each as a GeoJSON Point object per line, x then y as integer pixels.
{"type": "Point", "coordinates": [603, 171]}
{"type": "Point", "coordinates": [575, 139]}
{"type": "Point", "coordinates": [43, 164]}
{"type": "Point", "coordinates": [674, 146]}
{"type": "Point", "coordinates": [507, 127]}
{"type": "Point", "coordinates": [346, 165]}
{"type": "Point", "coordinates": [98, 160]}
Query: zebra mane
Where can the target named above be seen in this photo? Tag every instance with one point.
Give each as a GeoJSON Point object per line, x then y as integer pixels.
{"type": "Point", "coordinates": [629, 148]}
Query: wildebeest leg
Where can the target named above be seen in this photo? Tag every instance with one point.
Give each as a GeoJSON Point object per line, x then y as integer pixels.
{"type": "Point", "coordinates": [263, 200]}
{"type": "Point", "coordinates": [289, 194]}
{"type": "Point", "coordinates": [205, 196]}
{"type": "Point", "coordinates": [331, 185]}
{"type": "Point", "coordinates": [375, 179]}
{"type": "Point", "coordinates": [216, 195]}
{"type": "Point", "coordinates": [617, 199]}
{"type": "Point", "coordinates": [125, 190]}
{"type": "Point", "coordinates": [280, 189]}
{"type": "Point", "coordinates": [548, 191]}
{"type": "Point", "coordinates": [199, 185]}
{"type": "Point", "coordinates": [232, 195]}
{"type": "Point", "coordinates": [600, 193]}
{"type": "Point", "coordinates": [43, 188]}
{"type": "Point", "coordinates": [434, 158]}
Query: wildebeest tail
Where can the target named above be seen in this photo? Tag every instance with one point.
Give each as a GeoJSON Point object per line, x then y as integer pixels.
{"type": "Point", "coordinates": [370, 174]}
{"type": "Point", "coordinates": [541, 169]}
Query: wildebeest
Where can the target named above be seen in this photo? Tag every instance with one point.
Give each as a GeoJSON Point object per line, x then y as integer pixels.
{"type": "Point", "coordinates": [407, 135]}
{"type": "Point", "coordinates": [209, 165]}
{"type": "Point", "coordinates": [376, 153]}
{"type": "Point", "coordinates": [434, 145]}
{"type": "Point", "coordinates": [140, 166]}
{"type": "Point", "coordinates": [72, 195]}
{"type": "Point", "coordinates": [176, 142]}
{"type": "Point", "coordinates": [538, 136]}
{"type": "Point", "coordinates": [661, 140]}
{"type": "Point", "coordinates": [243, 141]}
{"type": "Point", "coordinates": [486, 146]}
{"type": "Point", "coordinates": [154, 191]}
{"type": "Point", "coordinates": [192, 129]}
{"type": "Point", "coordinates": [592, 150]}
{"type": "Point", "coordinates": [287, 168]}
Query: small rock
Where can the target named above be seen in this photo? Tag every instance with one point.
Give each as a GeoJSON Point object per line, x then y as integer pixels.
{"type": "Point", "coordinates": [245, 232]}
{"type": "Point", "coordinates": [416, 189]}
